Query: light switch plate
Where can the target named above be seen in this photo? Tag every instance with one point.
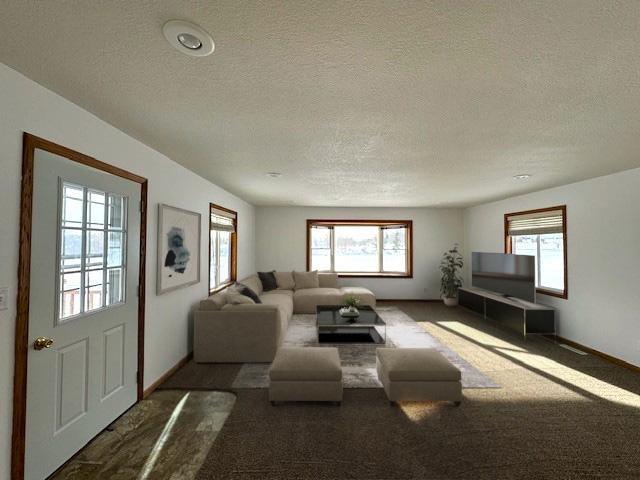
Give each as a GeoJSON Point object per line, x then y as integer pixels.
{"type": "Point", "coordinates": [4, 298]}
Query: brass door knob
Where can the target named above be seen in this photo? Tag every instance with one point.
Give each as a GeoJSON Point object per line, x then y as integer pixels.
{"type": "Point", "coordinates": [42, 342]}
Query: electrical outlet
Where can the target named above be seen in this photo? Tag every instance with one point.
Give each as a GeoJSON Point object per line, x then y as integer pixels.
{"type": "Point", "coordinates": [4, 298]}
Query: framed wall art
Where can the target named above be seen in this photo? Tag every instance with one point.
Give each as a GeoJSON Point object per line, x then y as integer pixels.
{"type": "Point", "coordinates": [178, 248]}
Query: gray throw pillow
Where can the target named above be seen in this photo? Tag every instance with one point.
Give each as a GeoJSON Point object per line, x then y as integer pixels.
{"type": "Point", "coordinates": [239, 299]}
{"type": "Point", "coordinates": [244, 290]}
{"type": "Point", "coordinates": [268, 280]}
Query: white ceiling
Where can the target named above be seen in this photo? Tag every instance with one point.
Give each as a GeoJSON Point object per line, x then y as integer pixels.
{"type": "Point", "coordinates": [357, 103]}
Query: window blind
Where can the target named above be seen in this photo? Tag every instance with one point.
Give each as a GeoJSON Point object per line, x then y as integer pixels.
{"type": "Point", "coordinates": [222, 221]}
{"type": "Point", "coordinates": [535, 223]}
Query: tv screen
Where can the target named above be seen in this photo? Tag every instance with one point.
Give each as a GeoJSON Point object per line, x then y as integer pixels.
{"type": "Point", "coordinates": [510, 275]}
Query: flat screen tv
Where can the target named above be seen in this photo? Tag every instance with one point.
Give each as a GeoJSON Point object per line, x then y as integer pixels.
{"type": "Point", "coordinates": [506, 274]}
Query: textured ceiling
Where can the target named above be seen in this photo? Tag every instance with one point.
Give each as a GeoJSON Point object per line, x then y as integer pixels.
{"type": "Point", "coordinates": [364, 103]}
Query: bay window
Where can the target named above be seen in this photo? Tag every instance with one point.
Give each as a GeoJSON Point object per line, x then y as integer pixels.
{"type": "Point", "coordinates": [360, 247]}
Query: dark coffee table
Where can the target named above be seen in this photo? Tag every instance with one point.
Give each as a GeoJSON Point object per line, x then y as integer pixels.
{"type": "Point", "coordinates": [332, 327]}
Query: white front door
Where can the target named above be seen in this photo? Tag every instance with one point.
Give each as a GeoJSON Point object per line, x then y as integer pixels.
{"type": "Point", "coordinates": [83, 305]}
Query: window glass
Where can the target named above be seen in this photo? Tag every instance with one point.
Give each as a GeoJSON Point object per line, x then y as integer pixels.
{"type": "Point", "coordinates": [224, 242]}
{"type": "Point", "coordinates": [526, 245]}
{"type": "Point", "coordinates": [394, 258]}
{"type": "Point", "coordinates": [551, 261]}
{"type": "Point", "coordinates": [548, 249]}
{"type": "Point", "coordinates": [213, 260]}
{"type": "Point", "coordinates": [363, 248]}
{"type": "Point", "coordinates": [222, 238]}
{"type": "Point", "coordinates": [356, 249]}
{"type": "Point", "coordinates": [92, 239]}
{"type": "Point", "coordinates": [321, 249]}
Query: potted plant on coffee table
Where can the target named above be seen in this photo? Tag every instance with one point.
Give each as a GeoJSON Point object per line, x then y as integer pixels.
{"type": "Point", "coordinates": [351, 307]}
{"type": "Point", "coordinates": [450, 266]}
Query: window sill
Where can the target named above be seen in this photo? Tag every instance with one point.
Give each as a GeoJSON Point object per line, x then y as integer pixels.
{"type": "Point", "coordinates": [553, 293]}
{"type": "Point", "coordinates": [219, 288]}
{"type": "Point", "coordinates": [373, 275]}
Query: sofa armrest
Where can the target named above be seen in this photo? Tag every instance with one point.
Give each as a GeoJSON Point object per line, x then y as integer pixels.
{"type": "Point", "coordinates": [243, 333]}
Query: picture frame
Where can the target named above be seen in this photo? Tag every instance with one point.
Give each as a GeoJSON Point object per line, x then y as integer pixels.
{"type": "Point", "coordinates": [179, 239]}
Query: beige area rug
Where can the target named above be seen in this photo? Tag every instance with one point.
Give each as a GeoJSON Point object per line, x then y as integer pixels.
{"type": "Point", "coordinates": [358, 360]}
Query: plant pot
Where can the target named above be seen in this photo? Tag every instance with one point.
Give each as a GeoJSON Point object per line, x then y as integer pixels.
{"type": "Point", "coordinates": [349, 312]}
{"type": "Point", "coordinates": [450, 301]}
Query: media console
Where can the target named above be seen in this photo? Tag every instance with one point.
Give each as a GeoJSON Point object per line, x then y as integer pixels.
{"type": "Point", "coordinates": [521, 316]}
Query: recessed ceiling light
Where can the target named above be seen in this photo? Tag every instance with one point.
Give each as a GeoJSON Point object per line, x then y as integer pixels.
{"type": "Point", "coordinates": [188, 38]}
{"type": "Point", "coordinates": [522, 176]}
{"type": "Point", "coordinates": [274, 174]}
{"type": "Point", "coordinates": [190, 41]}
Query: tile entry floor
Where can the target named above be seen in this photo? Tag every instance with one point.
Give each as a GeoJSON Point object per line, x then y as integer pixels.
{"type": "Point", "coordinates": [164, 436]}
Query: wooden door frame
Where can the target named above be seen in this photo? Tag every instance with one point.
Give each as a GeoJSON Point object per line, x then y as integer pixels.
{"type": "Point", "coordinates": [29, 145]}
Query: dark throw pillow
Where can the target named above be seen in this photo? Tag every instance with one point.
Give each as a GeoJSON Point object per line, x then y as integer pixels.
{"type": "Point", "coordinates": [268, 280]}
{"type": "Point", "coordinates": [246, 291]}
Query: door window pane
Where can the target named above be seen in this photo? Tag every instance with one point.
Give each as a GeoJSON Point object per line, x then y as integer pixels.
{"type": "Point", "coordinates": [356, 249]}
{"type": "Point", "coordinates": [95, 210]}
{"type": "Point", "coordinates": [86, 284]}
{"type": "Point", "coordinates": [115, 249]}
{"type": "Point", "coordinates": [93, 289]}
{"type": "Point", "coordinates": [94, 249]}
{"type": "Point", "coordinates": [72, 205]}
{"type": "Point", "coordinates": [70, 303]}
{"type": "Point", "coordinates": [116, 216]}
{"type": "Point", "coordinates": [71, 249]}
{"type": "Point", "coordinates": [115, 292]}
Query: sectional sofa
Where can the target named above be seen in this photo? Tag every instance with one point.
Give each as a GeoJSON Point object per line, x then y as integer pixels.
{"type": "Point", "coordinates": [225, 332]}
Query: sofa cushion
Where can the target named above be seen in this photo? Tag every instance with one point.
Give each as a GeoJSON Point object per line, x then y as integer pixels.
{"type": "Point", "coordinates": [305, 301]}
{"type": "Point", "coordinates": [285, 280]}
{"type": "Point", "coordinates": [283, 302]}
{"type": "Point", "coordinates": [416, 364]}
{"type": "Point", "coordinates": [238, 299]}
{"type": "Point", "coordinates": [253, 282]}
{"type": "Point", "coordinates": [245, 290]}
{"type": "Point", "coordinates": [306, 280]}
{"type": "Point", "coordinates": [214, 302]}
{"type": "Point", "coordinates": [365, 295]}
{"type": "Point", "coordinates": [328, 280]}
{"type": "Point", "coordinates": [288, 293]}
{"type": "Point", "coordinates": [268, 280]}
{"type": "Point", "coordinates": [306, 364]}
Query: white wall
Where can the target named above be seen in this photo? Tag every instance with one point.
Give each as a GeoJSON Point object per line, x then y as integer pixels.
{"type": "Point", "coordinates": [281, 244]}
{"type": "Point", "coordinates": [26, 106]}
{"type": "Point", "coordinates": [603, 222]}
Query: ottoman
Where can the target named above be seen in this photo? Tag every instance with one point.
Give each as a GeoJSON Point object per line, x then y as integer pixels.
{"type": "Point", "coordinates": [417, 374]}
{"type": "Point", "coordinates": [300, 374]}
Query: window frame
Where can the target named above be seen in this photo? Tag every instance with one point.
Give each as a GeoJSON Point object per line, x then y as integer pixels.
{"type": "Point", "coordinates": [508, 247]}
{"type": "Point", "coordinates": [408, 224]}
{"type": "Point", "coordinates": [233, 249]}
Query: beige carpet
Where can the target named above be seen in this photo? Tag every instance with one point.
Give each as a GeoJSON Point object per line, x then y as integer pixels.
{"type": "Point", "coordinates": [559, 415]}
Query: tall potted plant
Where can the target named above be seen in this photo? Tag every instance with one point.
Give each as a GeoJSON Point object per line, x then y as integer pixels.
{"type": "Point", "coordinates": [450, 266]}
